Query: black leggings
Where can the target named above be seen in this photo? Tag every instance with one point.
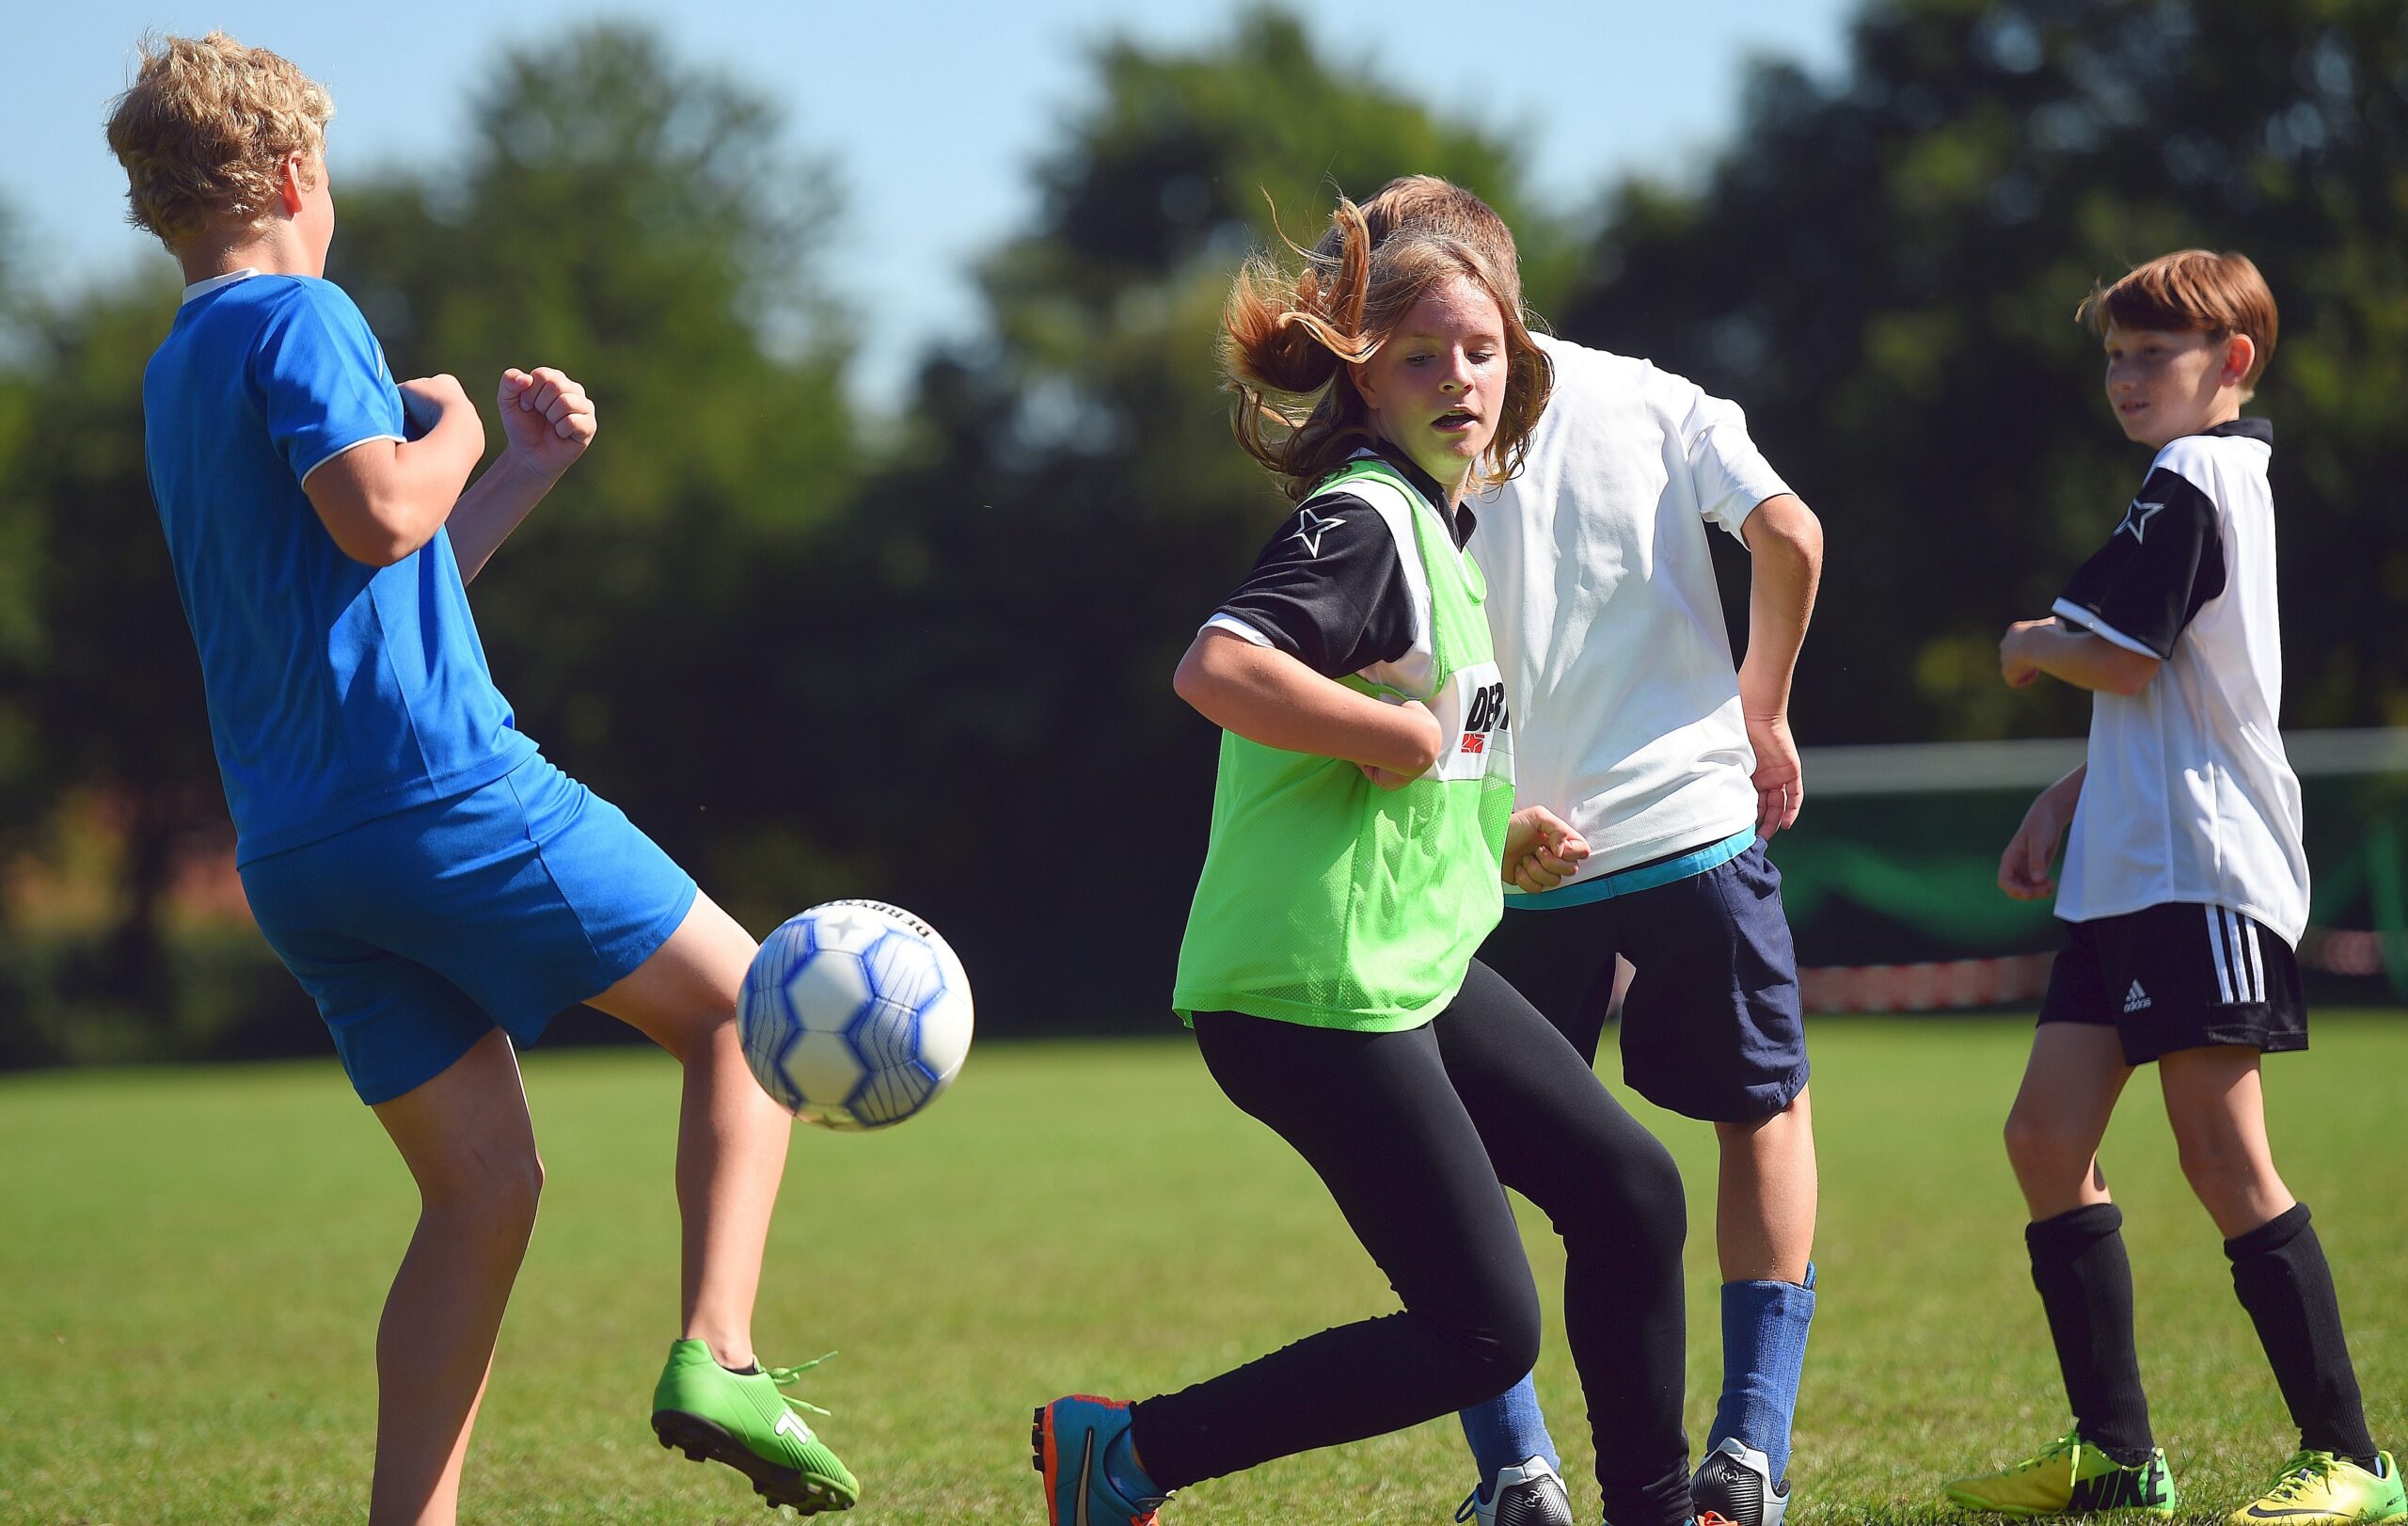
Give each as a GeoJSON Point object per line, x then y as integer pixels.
{"type": "Point", "coordinates": [1403, 1128]}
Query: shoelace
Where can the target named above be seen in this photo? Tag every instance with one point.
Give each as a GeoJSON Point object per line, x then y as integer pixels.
{"type": "Point", "coordinates": [2069, 1442]}
{"type": "Point", "coordinates": [785, 1377]}
{"type": "Point", "coordinates": [2304, 1470]}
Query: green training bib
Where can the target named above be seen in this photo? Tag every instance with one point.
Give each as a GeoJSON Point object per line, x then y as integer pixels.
{"type": "Point", "coordinates": [1326, 900]}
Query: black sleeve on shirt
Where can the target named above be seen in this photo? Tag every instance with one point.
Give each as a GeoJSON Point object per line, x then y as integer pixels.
{"type": "Point", "coordinates": [2163, 563]}
{"type": "Point", "coordinates": [1329, 589]}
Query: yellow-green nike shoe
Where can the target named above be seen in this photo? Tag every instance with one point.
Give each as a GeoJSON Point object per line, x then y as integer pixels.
{"type": "Point", "coordinates": [2317, 1487]}
{"type": "Point", "coordinates": [746, 1421]}
{"type": "Point", "coordinates": [2070, 1477]}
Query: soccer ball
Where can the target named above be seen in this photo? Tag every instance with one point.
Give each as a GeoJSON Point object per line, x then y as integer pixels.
{"type": "Point", "coordinates": [855, 1014]}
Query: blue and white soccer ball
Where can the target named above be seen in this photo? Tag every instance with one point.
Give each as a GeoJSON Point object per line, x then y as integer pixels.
{"type": "Point", "coordinates": [855, 1014]}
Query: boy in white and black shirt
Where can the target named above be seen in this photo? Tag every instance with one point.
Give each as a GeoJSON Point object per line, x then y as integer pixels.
{"type": "Point", "coordinates": [2185, 890]}
{"type": "Point", "coordinates": [1631, 724]}
{"type": "Point", "coordinates": [2187, 796]}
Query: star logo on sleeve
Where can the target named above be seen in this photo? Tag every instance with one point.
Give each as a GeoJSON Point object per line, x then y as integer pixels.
{"type": "Point", "coordinates": [1311, 527]}
{"type": "Point", "coordinates": [2136, 520]}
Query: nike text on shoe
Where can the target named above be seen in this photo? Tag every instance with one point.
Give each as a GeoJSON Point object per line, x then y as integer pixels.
{"type": "Point", "coordinates": [1067, 1442]}
{"type": "Point", "coordinates": [1531, 1494]}
{"type": "Point", "coordinates": [746, 1421]}
{"type": "Point", "coordinates": [2070, 1477]}
{"type": "Point", "coordinates": [1735, 1483]}
{"type": "Point", "coordinates": [2317, 1487]}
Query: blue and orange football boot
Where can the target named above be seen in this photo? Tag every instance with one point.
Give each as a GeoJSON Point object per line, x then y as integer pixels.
{"type": "Point", "coordinates": [1067, 1443]}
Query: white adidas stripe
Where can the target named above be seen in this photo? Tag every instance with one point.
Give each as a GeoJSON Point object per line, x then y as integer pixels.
{"type": "Point", "coordinates": [2241, 962]}
{"type": "Point", "coordinates": [2216, 946]}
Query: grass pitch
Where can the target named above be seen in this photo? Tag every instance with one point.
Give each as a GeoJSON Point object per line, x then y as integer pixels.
{"type": "Point", "coordinates": [193, 1263]}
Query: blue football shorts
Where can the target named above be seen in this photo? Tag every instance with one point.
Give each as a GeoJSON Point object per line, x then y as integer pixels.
{"type": "Point", "coordinates": [419, 932]}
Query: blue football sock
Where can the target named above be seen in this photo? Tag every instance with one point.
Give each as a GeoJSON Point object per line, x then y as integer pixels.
{"type": "Point", "coordinates": [1764, 1349]}
{"type": "Point", "coordinates": [1120, 1466]}
{"type": "Point", "coordinates": [1509, 1431]}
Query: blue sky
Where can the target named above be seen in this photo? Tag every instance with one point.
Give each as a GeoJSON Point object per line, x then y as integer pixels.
{"type": "Point", "coordinates": [933, 111]}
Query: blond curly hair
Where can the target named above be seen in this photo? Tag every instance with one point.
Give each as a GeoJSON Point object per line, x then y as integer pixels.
{"type": "Point", "coordinates": [205, 127]}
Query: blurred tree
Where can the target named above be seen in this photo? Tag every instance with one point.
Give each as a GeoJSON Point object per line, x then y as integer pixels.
{"type": "Point", "coordinates": [19, 626]}
{"type": "Point", "coordinates": [646, 228]}
{"type": "Point", "coordinates": [1883, 267]}
{"type": "Point", "coordinates": [100, 693]}
{"type": "Point", "coordinates": [1068, 504]}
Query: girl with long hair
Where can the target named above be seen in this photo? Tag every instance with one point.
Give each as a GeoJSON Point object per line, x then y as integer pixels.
{"type": "Point", "coordinates": [1362, 831]}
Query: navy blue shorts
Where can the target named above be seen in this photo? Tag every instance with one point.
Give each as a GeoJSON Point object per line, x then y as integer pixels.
{"type": "Point", "coordinates": [419, 932]}
{"type": "Point", "coordinates": [1710, 1027]}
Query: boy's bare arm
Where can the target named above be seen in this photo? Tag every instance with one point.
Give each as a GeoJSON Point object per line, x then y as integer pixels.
{"type": "Point", "coordinates": [1785, 549]}
{"type": "Point", "coordinates": [1267, 696]}
{"type": "Point", "coordinates": [2024, 868]}
{"type": "Point", "coordinates": [2033, 647]}
{"type": "Point", "coordinates": [550, 421]}
{"type": "Point", "coordinates": [382, 499]}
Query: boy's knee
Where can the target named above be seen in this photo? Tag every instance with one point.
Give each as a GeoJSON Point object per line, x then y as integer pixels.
{"type": "Point", "coordinates": [497, 1193]}
{"type": "Point", "coordinates": [520, 1189]}
{"type": "Point", "coordinates": [2037, 1147]}
{"type": "Point", "coordinates": [2218, 1172]}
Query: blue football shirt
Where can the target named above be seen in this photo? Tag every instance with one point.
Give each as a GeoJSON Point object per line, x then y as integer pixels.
{"type": "Point", "coordinates": [338, 693]}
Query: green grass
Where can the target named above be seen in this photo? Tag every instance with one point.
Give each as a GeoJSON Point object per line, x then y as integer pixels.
{"type": "Point", "coordinates": [191, 1265]}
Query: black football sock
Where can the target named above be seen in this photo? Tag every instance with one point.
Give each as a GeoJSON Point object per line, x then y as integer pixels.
{"type": "Point", "coordinates": [2280, 1273]}
{"type": "Point", "coordinates": [2085, 1282]}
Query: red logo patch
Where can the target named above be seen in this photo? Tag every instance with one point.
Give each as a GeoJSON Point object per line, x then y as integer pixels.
{"type": "Point", "coordinates": [1475, 742]}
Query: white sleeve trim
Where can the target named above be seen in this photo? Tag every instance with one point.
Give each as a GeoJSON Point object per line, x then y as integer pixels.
{"type": "Point", "coordinates": [2075, 614]}
{"type": "Point", "coordinates": [346, 451]}
{"type": "Point", "coordinates": [1238, 627]}
{"type": "Point", "coordinates": [1726, 468]}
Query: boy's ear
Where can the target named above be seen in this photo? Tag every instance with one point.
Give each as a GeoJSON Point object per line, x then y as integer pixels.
{"type": "Point", "coordinates": [2240, 354]}
{"type": "Point", "coordinates": [293, 178]}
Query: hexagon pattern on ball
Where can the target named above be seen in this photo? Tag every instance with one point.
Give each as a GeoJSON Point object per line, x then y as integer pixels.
{"type": "Point", "coordinates": [855, 1015]}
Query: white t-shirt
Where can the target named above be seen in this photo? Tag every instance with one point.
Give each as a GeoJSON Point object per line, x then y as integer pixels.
{"type": "Point", "coordinates": [2190, 797]}
{"type": "Point", "coordinates": [1602, 608]}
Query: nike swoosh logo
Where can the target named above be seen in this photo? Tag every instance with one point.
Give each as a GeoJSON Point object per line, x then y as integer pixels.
{"type": "Point", "coordinates": [2258, 1513]}
{"type": "Point", "coordinates": [1087, 1458]}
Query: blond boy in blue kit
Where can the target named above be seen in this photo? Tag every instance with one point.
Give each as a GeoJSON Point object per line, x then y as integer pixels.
{"type": "Point", "coordinates": [438, 886]}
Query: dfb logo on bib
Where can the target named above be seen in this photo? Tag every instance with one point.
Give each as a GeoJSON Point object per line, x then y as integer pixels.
{"type": "Point", "coordinates": [1488, 714]}
{"type": "Point", "coordinates": [1470, 711]}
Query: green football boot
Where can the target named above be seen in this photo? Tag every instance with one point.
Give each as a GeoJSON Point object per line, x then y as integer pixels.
{"type": "Point", "coordinates": [746, 1421]}
{"type": "Point", "coordinates": [2316, 1489]}
{"type": "Point", "coordinates": [2070, 1477]}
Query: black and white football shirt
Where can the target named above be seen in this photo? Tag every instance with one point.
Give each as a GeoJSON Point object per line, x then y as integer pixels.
{"type": "Point", "coordinates": [2189, 796]}
{"type": "Point", "coordinates": [1332, 588]}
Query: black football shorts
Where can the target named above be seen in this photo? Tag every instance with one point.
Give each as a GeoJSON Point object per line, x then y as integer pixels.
{"type": "Point", "coordinates": [2180, 976]}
